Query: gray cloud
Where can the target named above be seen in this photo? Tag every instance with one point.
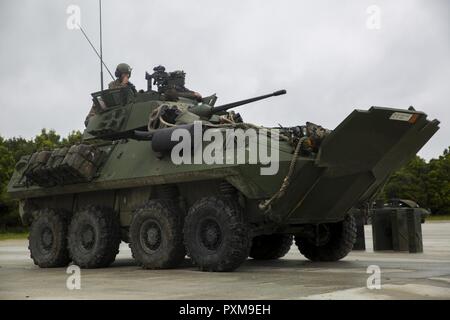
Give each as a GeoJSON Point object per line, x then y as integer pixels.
{"type": "Point", "coordinates": [320, 51]}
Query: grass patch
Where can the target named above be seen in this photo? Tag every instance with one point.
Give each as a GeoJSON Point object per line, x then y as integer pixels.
{"type": "Point", "coordinates": [439, 218]}
{"type": "Point", "coordinates": [13, 233]}
{"type": "Point", "coordinates": [11, 236]}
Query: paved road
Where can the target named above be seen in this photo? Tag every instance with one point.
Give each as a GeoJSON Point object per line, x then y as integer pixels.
{"type": "Point", "coordinates": [403, 276]}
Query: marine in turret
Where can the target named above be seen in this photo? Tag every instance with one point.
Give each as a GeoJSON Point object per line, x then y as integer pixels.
{"type": "Point", "coordinates": [123, 74]}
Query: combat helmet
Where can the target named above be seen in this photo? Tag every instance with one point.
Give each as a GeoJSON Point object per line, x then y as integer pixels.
{"type": "Point", "coordinates": [121, 69]}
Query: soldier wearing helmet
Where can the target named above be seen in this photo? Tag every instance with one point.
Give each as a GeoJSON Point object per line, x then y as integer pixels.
{"type": "Point", "coordinates": [123, 74]}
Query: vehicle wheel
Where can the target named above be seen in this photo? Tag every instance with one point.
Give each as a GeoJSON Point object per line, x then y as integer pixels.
{"type": "Point", "coordinates": [94, 237]}
{"type": "Point", "coordinates": [269, 247]}
{"type": "Point", "coordinates": [48, 239]}
{"type": "Point", "coordinates": [156, 235]}
{"type": "Point", "coordinates": [216, 235]}
{"type": "Point", "coordinates": [336, 241]}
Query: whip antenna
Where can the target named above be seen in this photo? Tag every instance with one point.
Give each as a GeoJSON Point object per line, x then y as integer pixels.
{"type": "Point", "coordinates": [99, 55]}
{"type": "Point", "coordinates": [95, 50]}
{"type": "Point", "coordinates": [101, 44]}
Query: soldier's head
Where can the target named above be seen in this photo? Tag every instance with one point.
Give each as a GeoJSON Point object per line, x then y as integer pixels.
{"type": "Point", "coordinates": [123, 70]}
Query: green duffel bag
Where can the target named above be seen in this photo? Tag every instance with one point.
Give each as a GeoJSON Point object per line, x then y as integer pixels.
{"type": "Point", "coordinates": [81, 163]}
{"type": "Point", "coordinates": [36, 172]}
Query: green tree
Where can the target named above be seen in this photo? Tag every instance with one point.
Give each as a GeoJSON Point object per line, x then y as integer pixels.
{"type": "Point", "coordinates": [8, 211]}
{"type": "Point", "coordinates": [19, 147]}
{"type": "Point", "coordinates": [438, 184]}
{"type": "Point", "coordinates": [408, 182]}
{"type": "Point", "coordinates": [47, 140]}
{"type": "Point", "coordinates": [74, 137]}
{"type": "Point", "coordinates": [426, 183]}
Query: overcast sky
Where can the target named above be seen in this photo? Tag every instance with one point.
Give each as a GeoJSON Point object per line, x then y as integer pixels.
{"type": "Point", "coordinates": [322, 52]}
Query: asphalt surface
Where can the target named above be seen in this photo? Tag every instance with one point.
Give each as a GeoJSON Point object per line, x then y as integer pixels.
{"type": "Point", "coordinates": [403, 276]}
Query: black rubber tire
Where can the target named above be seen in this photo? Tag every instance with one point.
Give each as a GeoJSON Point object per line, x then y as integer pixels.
{"type": "Point", "coordinates": [222, 220]}
{"type": "Point", "coordinates": [166, 248]}
{"type": "Point", "coordinates": [340, 243]}
{"type": "Point", "coordinates": [270, 247]}
{"type": "Point", "coordinates": [94, 237]}
{"type": "Point", "coordinates": [48, 239]}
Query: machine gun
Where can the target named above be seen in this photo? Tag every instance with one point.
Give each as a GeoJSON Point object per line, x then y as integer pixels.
{"type": "Point", "coordinates": [206, 111]}
{"type": "Point", "coordinates": [159, 77]}
{"type": "Point", "coordinates": [165, 80]}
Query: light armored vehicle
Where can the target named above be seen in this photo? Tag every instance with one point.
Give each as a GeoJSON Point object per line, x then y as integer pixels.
{"type": "Point", "coordinates": [123, 184]}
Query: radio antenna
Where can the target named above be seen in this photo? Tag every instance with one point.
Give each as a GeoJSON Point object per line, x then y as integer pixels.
{"type": "Point", "coordinates": [95, 50]}
{"type": "Point", "coordinates": [101, 44]}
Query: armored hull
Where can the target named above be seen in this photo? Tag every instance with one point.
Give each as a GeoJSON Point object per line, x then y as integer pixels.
{"type": "Point", "coordinates": [218, 214]}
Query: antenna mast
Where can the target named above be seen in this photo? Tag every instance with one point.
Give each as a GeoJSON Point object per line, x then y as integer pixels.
{"type": "Point", "coordinates": [101, 45]}
{"type": "Point", "coordinates": [95, 50]}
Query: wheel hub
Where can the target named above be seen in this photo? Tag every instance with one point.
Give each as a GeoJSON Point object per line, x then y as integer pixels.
{"type": "Point", "coordinates": [151, 236]}
{"type": "Point", "coordinates": [47, 238]}
{"type": "Point", "coordinates": [323, 235]}
{"type": "Point", "coordinates": [210, 234]}
{"type": "Point", "coordinates": [88, 237]}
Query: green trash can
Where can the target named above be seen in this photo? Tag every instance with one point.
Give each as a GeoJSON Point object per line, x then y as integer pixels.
{"type": "Point", "coordinates": [360, 243]}
{"type": "Point", "coordinates": [414, 220]}
{"type": "Point", "coordinates": [397, 229]}
{"type": "Point", "coordinates": [382, 229]}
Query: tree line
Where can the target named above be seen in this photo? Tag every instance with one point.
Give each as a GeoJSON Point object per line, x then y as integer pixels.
{"type": "Point", "coordinates": [426, 182]}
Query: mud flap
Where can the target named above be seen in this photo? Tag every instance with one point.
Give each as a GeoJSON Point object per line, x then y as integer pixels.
{"type": "Point", "coordinates": [357, 157]}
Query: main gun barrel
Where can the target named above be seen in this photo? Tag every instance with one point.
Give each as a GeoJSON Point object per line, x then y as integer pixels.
{"type": "Point", "coordinates": [227, 106]}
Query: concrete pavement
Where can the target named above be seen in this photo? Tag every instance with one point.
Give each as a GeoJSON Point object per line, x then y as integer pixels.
{"type": "Point", "coordinates": [403, 276]}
